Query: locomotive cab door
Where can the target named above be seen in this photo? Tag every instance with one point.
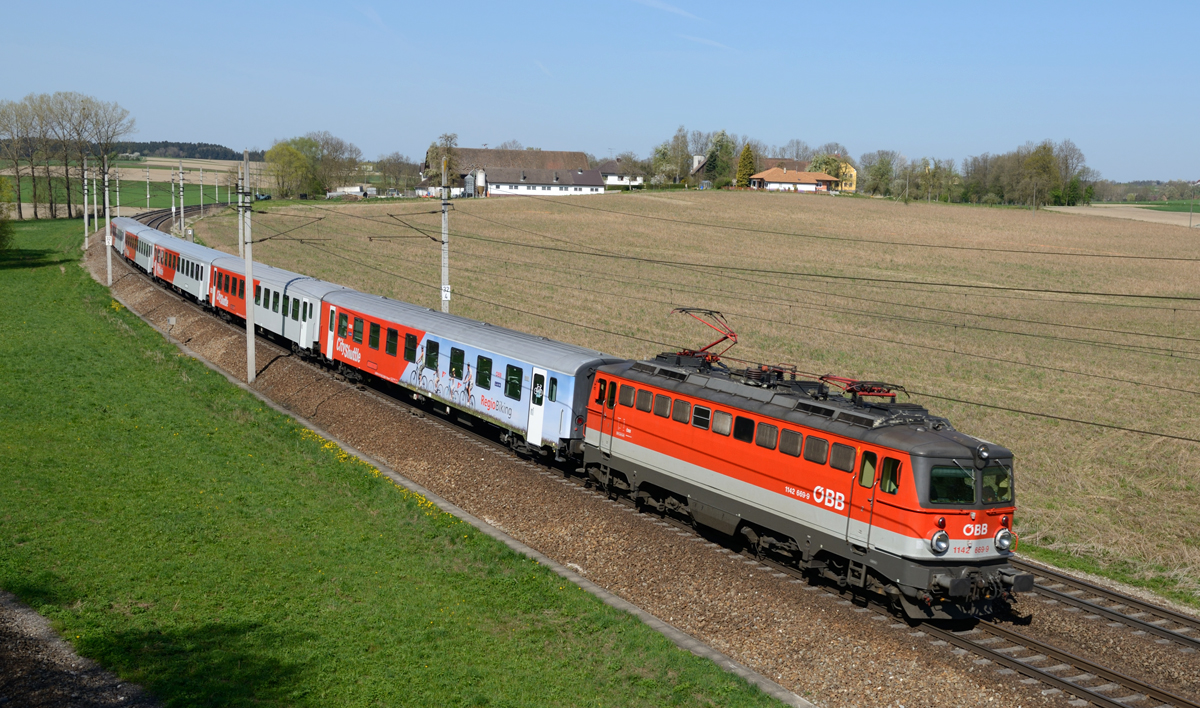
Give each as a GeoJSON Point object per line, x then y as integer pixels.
{"type": "Point", "coordinates": [537, 408]}
{"type": "Point", "coordinates": [862, 502]}
{"type": "Point", "coordinates": [608, 418]}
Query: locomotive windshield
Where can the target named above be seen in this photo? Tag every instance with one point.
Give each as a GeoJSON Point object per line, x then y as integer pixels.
{"type": "Point", "coordinates": [957, 484]}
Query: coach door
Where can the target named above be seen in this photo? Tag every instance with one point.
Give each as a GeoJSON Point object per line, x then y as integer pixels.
{"type": "Point", "coordinates": [329, 338]}
{"type": "Point", "coordinates": [862, 501]}
{"type": "Point", "coordinates": [537, 407]}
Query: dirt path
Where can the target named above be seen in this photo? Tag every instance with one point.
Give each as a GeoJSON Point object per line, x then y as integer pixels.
{"type": "Point", "coordinates": [1123, 211]}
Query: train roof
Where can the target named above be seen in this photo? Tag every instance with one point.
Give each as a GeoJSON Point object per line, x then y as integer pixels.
{"type": "Point", "coordinates": [542, 351]}
{"type": "Point", "coordinates": [272, 276]}
{"type": "Point", "coordinates": [900, 426]}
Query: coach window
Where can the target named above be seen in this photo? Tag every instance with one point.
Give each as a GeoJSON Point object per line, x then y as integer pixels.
{"type": "Point", "coordinates": [722, 422]}
{"type": "Point", "coordinates": [816, 450]}
{"type": "Point", "coordinates": [789, 442]}
{"type": "Point", "coordinates": [766, 436]}
{"type": "Point", "coordinates": [296, 315]}
{"type": "Point", "coordinates": [304, 312]}
{"type": "Point", "coordinates": [275, 301]}
{"type": "Point", "coordinates": [483, 372]}
{"type": "Point", "coordinates": [393, 338]}
{"type": "Point", "coordinates": [601, 391]}
{"type": "Point", "coordinates": [512, 382]}
{"type": "Point", "coordinates": [662, 405]}
{"type": "Point", "coordinates": [628, 393]}
{"type": "Point", "coordinates": [456, 362]}
{"type": "Point", "coordinates": [410, 347]}
{"type": "Point", "coordinates": [287, 302]}
{"type": "Point", "coordinates": [681, 412]}
{"type": "Point", "coordinates": [331, 320]}
{"type": "Point", "coordinates": [357, 334]}
{"type": "Point", "coordinates": [743, 429]}
{"type": "Point", "coordinates": [539, 386]}
{"type": "Point", "coordinates": [612, 394]}
{"type": "Point", "coordinates": [866, 471]}
{"type": "Point", "coordinates": [645, 400]}
{"type": "Point", "coordinates": [701, 417]}
{"type": "Point", "coordinates": [842, 458]}
{"type": "Point", "coordinates": [373, 339]}
{"type": "Point", "coordinates": [552, 393]}
{"type": "Point", "coordinates": [241, 288]}
{"type": "Point", "coordinates": [343, 320]}
{"type": "Point", "coordinates": [889, 478]}
{"type": "Point", "coordinates": [257, 294]}
{"type": "Point", "coordinates": [432, 348]}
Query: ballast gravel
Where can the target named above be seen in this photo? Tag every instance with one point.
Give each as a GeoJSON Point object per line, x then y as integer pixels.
{"type": "Point", "coordinates": [814, 643]}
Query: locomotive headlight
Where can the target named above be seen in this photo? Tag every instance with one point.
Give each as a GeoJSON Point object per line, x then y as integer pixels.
{"type": "Point", "coordinates": [940, 543]}
{"type": "Point", "coordinates": [984, 452]}
{"type": "Point", "coordinates": [1004, 539]}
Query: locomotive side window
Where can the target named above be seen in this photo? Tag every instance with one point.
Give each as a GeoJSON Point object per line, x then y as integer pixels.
{"type": "Point", "coordinates": [612, 394]}
{"type": "Point", "coordinates": [483, 372]}
{"type": "Point", "coordinates": [842, 458]}
{"type": "Point", "coordinates": [552, 394]}
{"type": "Point", "coordinates": [889, 480]}
{"type": "Point", "coordinates": [816, 450]}
{"type": "Point", "coordinates": [645, 400]}
{"type": "Point", "coordinates": [456, 362]}
{"type": "Point", "coordinates": [393, 338]}
{"type": "Point", "coordinates": [701, 417]}
{"type": "Point", "coordinates": [789, 442]}
{"type": "Point", "coordinates": [410, 347]}
{"type": "Point", "coordinates": [743, 429]}
{"type": "Point", "coordinates": [682, 412]}
{"type": "Point", "coordinates": [343, 320]}
{"type": "Point", "coordinates": [512, 382]}
{"type": "Point", "coordinates": [358, 328]}
{"type": "Point", "coordinates": [766, 436]}
{"type": "Point", "coordinates": [628, 393]}
{"type": "Point", "coordinates": [866, 473]}
{"type": "Point", "coordinates": [373, 336]}
{"type": "Point", "coordinates": [997, 485]}
{"type": "Point", "coordinates": [951, 485]}
{"type": "Point", "coordinates": [662, 405]}
{"type": "Point", "coordinates": [431, 354]}
{"type": "Point", "coordinates": [601, 391]}
{"type": "Point", "coordinates": [722, 422]}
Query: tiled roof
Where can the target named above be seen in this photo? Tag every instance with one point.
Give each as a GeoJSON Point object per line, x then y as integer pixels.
{"type": "Point", "coordinates": [467, 159]}
{"type": "Point", "coordinates": [576, 178]}
{"type": "Point", "coordinates": [778, 174]}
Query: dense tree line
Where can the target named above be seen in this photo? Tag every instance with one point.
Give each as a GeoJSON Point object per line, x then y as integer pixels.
{"type": "Point", "coordinates": [314, 163]}
{"type": "Point", "coordinates": [47, 137]}
{"type": "Point", "coordinates": [186, 151]}
{"type": "Point", "coordinates": [726, 156]}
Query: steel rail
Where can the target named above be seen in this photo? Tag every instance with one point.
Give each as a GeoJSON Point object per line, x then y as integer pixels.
{"type": "Point", "coordinates": [1131, 618]}
{"type": "Point", "coordinates": [958, 639]}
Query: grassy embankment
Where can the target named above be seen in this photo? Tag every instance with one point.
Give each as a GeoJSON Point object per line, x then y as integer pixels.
{"type": "Point", "coordinates": [217, 553]}
{"type": "Point", "coordinates": [1117, 502]}
{"type": "Point", "coordinates": [133, 194]}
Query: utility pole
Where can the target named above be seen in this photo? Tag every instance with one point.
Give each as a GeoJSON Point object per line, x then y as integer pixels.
{"type": "Point", "coordinates": [182, 221]}
{"type": "Point", "coordinates": [118, 192]}
{"type": "Point", "coordinates": [201, 191]}
{"type": "Point", "coordinates": [172, 200]}
{"type": "Point", "coordinates": [147, 188]}
{"type": "Point", "coordinates": [1192, 203]}
{"type": "Point", "coordinates": [445, 241]}
{"type": "Point", "coordinates": [86, 221]}
{"type": "Point", "coordinates": [95, 202]}
{"type": "Point", "coordinates": [241, 222]}
{"type": "Point", "coordinates": [108, 240]}
{"type": "Point", "coordinates": [250, 367]}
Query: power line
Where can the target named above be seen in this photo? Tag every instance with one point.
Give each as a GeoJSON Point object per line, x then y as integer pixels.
{"type": "Point", "coordinates": [748, 229]}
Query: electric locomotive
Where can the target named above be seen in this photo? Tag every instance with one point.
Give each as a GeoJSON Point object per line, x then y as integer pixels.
{"type": "Point", "coordinates": [826, 474]}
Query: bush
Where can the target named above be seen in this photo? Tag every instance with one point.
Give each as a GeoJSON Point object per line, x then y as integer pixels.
{"type": "Point", "coordinates": [990, 199]}
{"type": "Point", "coordinates": [722, 183]}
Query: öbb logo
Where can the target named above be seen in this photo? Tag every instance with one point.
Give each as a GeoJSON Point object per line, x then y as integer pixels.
{"type": "Point", "coordinates": [349, 352]}
{"type": "Point", "coordinates": [975, 530]}
{"type": "Point", "coordinates": [830, 498]}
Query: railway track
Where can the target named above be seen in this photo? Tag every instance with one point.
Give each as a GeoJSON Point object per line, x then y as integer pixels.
{"type": "Point", "coordinates": [990, 641]}
{"type": "Point", "coordinates": [1116, 607]}
{"type": "Point", "coordinates": [164, 217]}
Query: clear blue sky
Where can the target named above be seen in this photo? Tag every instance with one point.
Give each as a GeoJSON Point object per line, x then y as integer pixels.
{"type": "Point", "coordinates": [944, 79]}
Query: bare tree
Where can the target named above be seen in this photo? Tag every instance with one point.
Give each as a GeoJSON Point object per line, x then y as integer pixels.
{"type": "Point", "coordinates": [110, 123]}
{"type": "Point", "coordinates": [14, 134]}
{"type": "Point", "coordinates": [1070, 160]}
{"type": "Point", "coordinates": [510, 145]}
{"type": "Point", "coordinates": [795, 149]}
{"type": "Point", "coordinates": [335, 160]}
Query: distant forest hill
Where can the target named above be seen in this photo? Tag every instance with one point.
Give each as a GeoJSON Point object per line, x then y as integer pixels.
{"type": "Point", "coordinates": [196, 151]}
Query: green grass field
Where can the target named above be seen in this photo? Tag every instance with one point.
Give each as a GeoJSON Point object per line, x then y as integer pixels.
{"type": "Point", "coordinates": [214, 551]}
{"type": "Point", "coordinates": [133, 193]}
{"type": "Point", "coordinates": [1173, 205]}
